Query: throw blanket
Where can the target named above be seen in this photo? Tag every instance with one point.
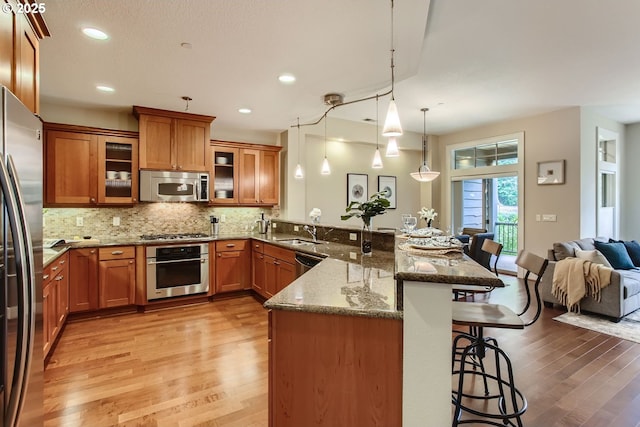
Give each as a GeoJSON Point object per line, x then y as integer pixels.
{"type": "Point", "coordinates": [575, 278]}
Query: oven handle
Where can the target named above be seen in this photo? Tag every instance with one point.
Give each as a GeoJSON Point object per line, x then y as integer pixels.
{"type": "Point", "coordinates": [202, 261]}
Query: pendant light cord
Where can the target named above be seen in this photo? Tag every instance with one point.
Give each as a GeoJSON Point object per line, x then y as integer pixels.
{"type": "Point", "coordinates": [392, 54]}
{"type": "Point", "coordinates": [424, 135]}
{"type": "Point", "coordinates": [298, 140]}
{"type": "Point", "coordinates": [377, 121]}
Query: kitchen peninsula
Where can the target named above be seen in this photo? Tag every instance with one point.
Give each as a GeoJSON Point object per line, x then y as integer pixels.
{"type": "Point", "coordinates": [367, 343]}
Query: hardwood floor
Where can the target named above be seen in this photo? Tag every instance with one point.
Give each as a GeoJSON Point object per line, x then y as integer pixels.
{"type": "Point", "coordinates": [206, 365]}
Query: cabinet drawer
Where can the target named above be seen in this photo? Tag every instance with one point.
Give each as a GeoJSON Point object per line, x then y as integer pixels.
{"type": "Point", "coordinates": [231, 245]}
{"type": "Point", "coordinates": [55, 268]}
{"type": "Point", "coordinates": [280, 253]}
{"type": "Point", "coordinates": [117, 252]}
{"type": "Point", "coordinates": [257, 246]}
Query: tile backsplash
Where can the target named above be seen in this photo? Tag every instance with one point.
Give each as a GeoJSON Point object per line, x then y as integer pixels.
{"type": "Point", "coordinates": [147, 218]}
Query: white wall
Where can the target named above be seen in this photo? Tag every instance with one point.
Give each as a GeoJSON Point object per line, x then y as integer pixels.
{"type": "Point", "coordinates": [631, 178]}
{"type": "Point", "coordinates": [353, 153]}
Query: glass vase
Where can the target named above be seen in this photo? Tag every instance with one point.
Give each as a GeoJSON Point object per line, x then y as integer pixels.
{"type": "Point", "coordinates": [366, 240]}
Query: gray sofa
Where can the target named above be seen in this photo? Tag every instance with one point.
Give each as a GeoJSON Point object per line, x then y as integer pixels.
{"type": "Point", "coordinates": [618, 299]}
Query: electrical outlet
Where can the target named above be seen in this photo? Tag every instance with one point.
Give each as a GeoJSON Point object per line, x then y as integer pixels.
{"type": "Point", "coordinates": [116, 221]}
{"type": "Point", "coordinates": [296, 228]}
{"type": "Point", "coordinates": [223, 218]}
{"type": "Point", "coordinates": [538, 218]}
{"type": "Point", "coordinates": [353, 255]}
{"type": "Point", "coordinates": [79, 221]}
{"type": "Point", "coordinates": [273, 225]}
{"type": "Point", "coordinates": [353, 236]}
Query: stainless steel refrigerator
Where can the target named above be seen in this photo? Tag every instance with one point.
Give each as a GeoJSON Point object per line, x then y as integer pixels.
{"type": "Point", "coordinates": [21, 270]}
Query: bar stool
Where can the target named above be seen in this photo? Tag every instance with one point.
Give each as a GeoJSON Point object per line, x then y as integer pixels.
{"type": "Point", "coordinates": [468, 360]}
{"type": "Point", "coordinates": [491, 247]}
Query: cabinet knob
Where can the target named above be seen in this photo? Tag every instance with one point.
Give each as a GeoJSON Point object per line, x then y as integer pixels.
{"type": "Point", "coordinates": [93, 251]}
{"type": "Point", "coordinates": [117, 253]}
{"type": "Point", "coordinates": [135, 200]}
{"type": "Point", "coordinates": [230, 245]}
{"type": "Point", "coordinates": [173, 166]}
{"type": "Point", "coordinates": [54, 268]}
{"type": "Point", "coordinates": [219, 255]}
{"type": "Point", "coordinates": [62, 261]}
{"type": "Point", "coordinates": [130, 262]}
{"type": "Point", "coordinates": [59, 278]}
{"type": "Point", "coordinates": [45, 277]}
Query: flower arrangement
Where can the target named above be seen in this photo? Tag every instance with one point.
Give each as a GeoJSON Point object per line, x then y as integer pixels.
{"type": "Point", "coordinates": [428, 215]}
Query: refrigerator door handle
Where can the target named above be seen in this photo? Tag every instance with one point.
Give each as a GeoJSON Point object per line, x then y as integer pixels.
{"type": "Point", "coordinates": [24, 335]}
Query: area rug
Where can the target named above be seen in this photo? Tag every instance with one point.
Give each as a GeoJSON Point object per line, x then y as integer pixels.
{"type": "Point", "coordinates": [628, 328]}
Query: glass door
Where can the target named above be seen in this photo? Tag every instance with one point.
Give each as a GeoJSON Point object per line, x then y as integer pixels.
{"type": "Point", "coordinates": [117, 170]}
{"type": "Point", "coordinates": [225, 175]}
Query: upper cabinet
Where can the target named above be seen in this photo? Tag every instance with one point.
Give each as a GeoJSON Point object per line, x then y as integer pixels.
{"type": "Point", "coordinates": [89, 166]}
{"type": "Point", "coordinates": [245, 174]}
{"type": "Point", "coordinates": [19, 52]}
{"type": "Point", "coordinates": [171, 140]}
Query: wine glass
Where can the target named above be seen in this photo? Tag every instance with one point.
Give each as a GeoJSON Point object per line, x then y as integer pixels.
{"type": "Point", "coordinates": [410, 223]}
{"type": "Point", "coordinates": [404, 221]}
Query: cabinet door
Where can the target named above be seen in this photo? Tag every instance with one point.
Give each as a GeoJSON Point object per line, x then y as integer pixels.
{"type": "Point", "coordinates": [192, 146]}
{"type": "Point", "coordinates": [63, 296]}
{"type": "Point", "coordinates": [231, 271]}
{"type": "Point", "coordinates": [270, 276]}
{"type": "Point", "coordinates": [7, 23]}
{"type": "Point", "coordinates": [249, 176]}
{"type": "Point", "coordinates": [71, 175]}
{"type": "Point", "coordinates": [117, 170]}
{"type": "Point", "coordinates": [117, 282]}
{"type": "Point", "coordinates": [48, 317]}
{"type": "Point", "coordinates": [156, 142]}
{"type": "Point", "coordinates": [83, 280]}
{"type": "Point", "coordinates": [286, 275]}
{"type": "Point", "coordinates": [269, 191]}
{"type": "Point", "coordinates": [226, 164]}
{"type": "Point", "coordinates": [27, 65]}
{"type": "Point", "coordinates": [258, 270]}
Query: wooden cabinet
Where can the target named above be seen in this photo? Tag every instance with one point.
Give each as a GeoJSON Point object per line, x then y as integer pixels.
{"type": "Point", "coordinates": [172, 140]}
{"type": "Point", "coordinates": [19, 54]}
{"type": "Point", "coordinates": [245, 174]}
{"type": "Point", "coordinates": [279, 269]}
{"type": "Point", "coordinates": [90, 166]}
{"type": "Point", "coordinates": [117, 276]}
{"type": "Point", "coordinates": [258, 268]}
{"type": "Point", "coordinates": [102, 278]}
{"type": "Point", "coordinates": [55, 300]}
{"type": "Point", "coordinates": [232, 266]}
{"type": "Point", "coordinates": [83, 275]}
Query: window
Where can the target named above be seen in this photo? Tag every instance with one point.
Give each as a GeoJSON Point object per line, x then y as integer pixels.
{"type": "Point", "coordinates": [494, 154]}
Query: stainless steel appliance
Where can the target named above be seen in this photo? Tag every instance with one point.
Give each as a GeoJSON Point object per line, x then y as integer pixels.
{"type": "Point", "coordinates": [21, 266]}
{"type": "Point", "coordinates": [170, 186]}
{"type": "Point", "coordinates": [305, 262]}
{"type": "Point", "coordinates": [177, 270]}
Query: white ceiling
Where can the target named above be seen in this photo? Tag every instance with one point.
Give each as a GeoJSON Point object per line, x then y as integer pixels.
{"type": "Point", "coordinates": [470, 62]}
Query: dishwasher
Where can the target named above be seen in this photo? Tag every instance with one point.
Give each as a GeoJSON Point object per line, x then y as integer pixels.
{"type": "Point", "coordinates": [305, 262]}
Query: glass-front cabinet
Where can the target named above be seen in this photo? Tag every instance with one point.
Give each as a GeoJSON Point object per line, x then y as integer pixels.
{"type": "Point", "coordinates": [117, 170]}
{"type": "Point", "coordinates": [225, 175]}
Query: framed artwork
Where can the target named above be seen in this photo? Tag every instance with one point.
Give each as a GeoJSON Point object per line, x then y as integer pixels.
{"type": "Point", "coordinates": [357, 187]}
{"type": "Point", "coordinates": [387, 185]}
{"type": "Point", "coordinates": [551, 172]}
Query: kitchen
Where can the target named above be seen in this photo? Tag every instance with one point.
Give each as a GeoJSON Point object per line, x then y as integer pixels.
{"type": "Point", "coordinates": [75, 220]}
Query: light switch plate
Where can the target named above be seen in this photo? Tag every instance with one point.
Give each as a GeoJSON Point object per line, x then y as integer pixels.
{"type": "Point", "coordinates": [79, 221]}
{"type": "Point", "coordinates": [116, 221]}
{"type": "Point", "coordinates": [223, 218]}
{"type": "Point", "coordinates": [296, 228]}
{"type": "Point", "coordinates": [353, 255]}
{"type": "Point", "coordinates": [353, 236]}
{"type": "Point", "coordinates": [549, 217]}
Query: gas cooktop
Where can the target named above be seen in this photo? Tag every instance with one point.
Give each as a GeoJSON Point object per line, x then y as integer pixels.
{"type": "Point", "coordinates": [173, 236]}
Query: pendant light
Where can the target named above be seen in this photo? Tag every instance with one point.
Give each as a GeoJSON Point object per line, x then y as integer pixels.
{"type": "Point", "coordinates": [377, 160]}
{"type": "Point", "coordinates": [326, 169]}
{"type": "Point", "coordinates": [424, 174]}
{"type": "Point", "coordinates": [392, 148]}
{"type": "Point", "coordinates": [298, 174]}
{"type": "Point", "coordinates": [392, 126]}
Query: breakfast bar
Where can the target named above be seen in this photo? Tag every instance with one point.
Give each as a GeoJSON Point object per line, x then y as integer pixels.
{"type": "Point", "coordinates": [367, 342]}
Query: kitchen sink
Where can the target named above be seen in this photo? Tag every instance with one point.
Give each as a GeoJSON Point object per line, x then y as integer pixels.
{"type": "Point", "coordinates": [297, 242]}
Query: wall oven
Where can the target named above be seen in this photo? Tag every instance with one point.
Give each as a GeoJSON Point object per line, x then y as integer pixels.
{"type": "Point", "coordinates": [177, 270]}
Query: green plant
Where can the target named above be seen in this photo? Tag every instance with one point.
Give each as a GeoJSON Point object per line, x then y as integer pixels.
{"type": "Point", "coordinates": [376, 205]}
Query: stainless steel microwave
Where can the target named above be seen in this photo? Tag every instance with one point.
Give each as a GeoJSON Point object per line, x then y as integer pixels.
{"type": "Point", "coordinates": [170, 186]}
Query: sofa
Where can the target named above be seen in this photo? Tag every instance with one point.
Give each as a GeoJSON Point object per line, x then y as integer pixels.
{"type": "Point", "coordinates": [620, 298]}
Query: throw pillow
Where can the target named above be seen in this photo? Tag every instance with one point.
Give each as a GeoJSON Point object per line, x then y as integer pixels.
{"type": "Point", "coordinates": [633, 249]}
{"type": "Point", "coordinates": [616, 254]}
{"type": "Point", "coordinates": [594, 256]}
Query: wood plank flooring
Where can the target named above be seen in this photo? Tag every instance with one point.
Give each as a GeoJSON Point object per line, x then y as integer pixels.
{"type": "Point", "coordinates": [206, 366]}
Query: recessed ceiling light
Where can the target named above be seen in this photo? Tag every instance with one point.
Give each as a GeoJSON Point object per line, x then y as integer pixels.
{"type": "Point", "coordinates": [287, 78]}
{"type": "Point", "coordinates": [102, 88]}
{"type": "Point", "coordinates": [94, 33]}
{"type": "Point", "coordinates": [244, 110]}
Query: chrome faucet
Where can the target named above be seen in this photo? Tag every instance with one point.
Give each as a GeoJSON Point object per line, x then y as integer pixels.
{"type": "Point", "coordinates": [313, 231]}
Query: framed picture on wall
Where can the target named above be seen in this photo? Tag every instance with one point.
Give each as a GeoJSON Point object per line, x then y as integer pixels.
{"type": "Point", "coordinates": [387, 185]}
{"type": "Point", "coordinates": [357, 187]}
{"type": "Point", "coordinates": [551, 172]}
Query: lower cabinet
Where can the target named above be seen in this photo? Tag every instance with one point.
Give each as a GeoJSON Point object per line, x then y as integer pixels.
{"type": "Point", "coordinates": [117, 277]}
{"type": "Point", "coordinates": [55, 300]}
{"type": "Point", "coordinates": [258, 267]}
{"type": "Point", "coordinates": [102, 278]}
{"type": "Point", "coordinates": [274, 271]}
{"type": "Point", "coordinates": [232, 268]}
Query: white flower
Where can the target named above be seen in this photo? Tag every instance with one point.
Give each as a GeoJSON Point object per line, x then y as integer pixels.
{"type": "Point", "coordinates": [315, 212]}
{"type": "Point", "coordinates": [427, 214]}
